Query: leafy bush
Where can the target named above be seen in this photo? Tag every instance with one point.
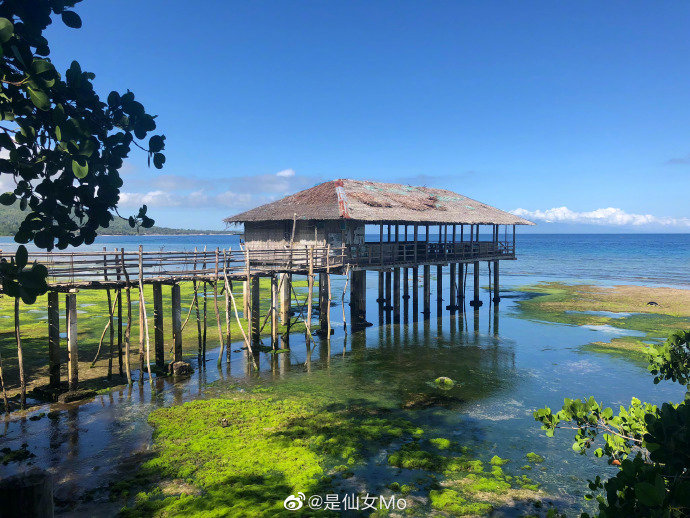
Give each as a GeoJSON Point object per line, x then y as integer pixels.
{"type": "Point", "coordinates": [649, 444]}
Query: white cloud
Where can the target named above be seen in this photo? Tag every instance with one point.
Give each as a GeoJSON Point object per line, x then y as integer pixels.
{"type": "Point", "coordinates": [605, 216]}
{"type": "Point", "coordinates": [286, 173]}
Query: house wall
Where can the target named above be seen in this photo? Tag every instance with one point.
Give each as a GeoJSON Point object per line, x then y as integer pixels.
{"type": "Point", "coordinates": [267, 235]}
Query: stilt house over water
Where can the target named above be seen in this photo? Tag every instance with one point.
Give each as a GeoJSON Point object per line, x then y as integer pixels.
{"type": "Point", "coordinates": [414, 226]}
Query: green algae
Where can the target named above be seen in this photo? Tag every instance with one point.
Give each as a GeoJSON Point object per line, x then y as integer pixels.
{"type": "Point", "coordinates": [453, 502]}
{"type": "Point", "coordinates": [578, 305]}
{"type": "Point", "coordinates": [534, 457]}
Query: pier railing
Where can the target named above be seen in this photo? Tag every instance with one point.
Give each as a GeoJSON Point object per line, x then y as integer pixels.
{"type": "Point", "coordinates": [112, 267]}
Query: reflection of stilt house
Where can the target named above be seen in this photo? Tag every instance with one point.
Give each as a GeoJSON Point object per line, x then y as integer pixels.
{"type": "Point", "coordinates": [416, 226]}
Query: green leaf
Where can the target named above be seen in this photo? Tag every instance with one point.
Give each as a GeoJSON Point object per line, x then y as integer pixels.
{"type": "Point", "coordinates": [80, 171]}
{"type": "Point", "coordinates": [158, 160]}
{"type": "Point", "coordinates": [6, 30]}
{"type": "Point", "coordinates": [647, 494]}
{"type": "Point", "coordinates": [156, 143]}
{"type": "Point", "coordinates": [39, 98]}
{"type": "Point", "coordinates": [21, 257]}
{"type": "Point", "coordinates": [71, 19]}
{"type": "Point", "coordinates": [41, 66]}
{"type": "Point", "coordinates": [8, 198]}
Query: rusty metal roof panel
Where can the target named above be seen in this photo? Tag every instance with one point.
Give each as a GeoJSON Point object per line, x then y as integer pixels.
{"type": "Point", "coordinates": [375, 202]}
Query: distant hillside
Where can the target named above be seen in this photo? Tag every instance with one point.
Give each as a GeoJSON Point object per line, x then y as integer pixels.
{"type": "Point", "coordinates": [11, 217]}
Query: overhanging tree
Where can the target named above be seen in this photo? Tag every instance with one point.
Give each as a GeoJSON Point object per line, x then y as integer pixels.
{"type": "Point", "coordinates": [60, 143]}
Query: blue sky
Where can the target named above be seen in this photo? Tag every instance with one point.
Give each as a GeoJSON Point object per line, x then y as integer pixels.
{"type": "Point", "coordinates": [561, 109]}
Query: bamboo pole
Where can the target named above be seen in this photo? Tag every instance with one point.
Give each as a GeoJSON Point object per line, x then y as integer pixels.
{"type": "Point", "coordinates": [20, 354]}
{"type": "Point", "coordinates": [110, 316]}
{"type": "Point", "coordinates": [274, 312]}
{"type": "Point", "coordinates": [228, 289]}
{"type": "Point", "coordinates": [108, 325]}
{"type": "Point", "coordinates": [215, 301]}
{"type": "Point", "coordinates": [310, 291]}
{"type": "Point", "coordinates": [328, 280]}
{"type": "Point", "coordinates": [196, 305]}
{"type": "Point", "coordinates": [141, 323]}
{"type": "Point", "coordinates": [142, 306]}
{"type": "Point", "coordinates": [203, 268]}
{"type": "Point", "coordinates": [128, 329]}
{"type": "Point", "coordinates": [342, 298]}
{"type": "Point", "coordinates": [4, 391]}
{"type": "Point", "coordinates": [72, 345]}
{"type": "Point", "coordinates": [119, 318]}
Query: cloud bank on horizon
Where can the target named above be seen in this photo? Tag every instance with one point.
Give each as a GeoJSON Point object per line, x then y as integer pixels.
{"type": "Point", "coordinates": [605, 216]}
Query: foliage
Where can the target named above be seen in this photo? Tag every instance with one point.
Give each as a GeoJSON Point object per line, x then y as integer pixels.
{"type": "Point", "coordinates": [20, 281]}
{"type": "Point", "coordinates": [64, 146]}
{"type": "Point", "coordinates": [651, 445]}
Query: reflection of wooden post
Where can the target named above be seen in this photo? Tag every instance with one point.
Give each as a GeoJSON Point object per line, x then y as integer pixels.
{"type": "Point", "coordinates": [158, 337]}
{"type": "Point", "coordinates": [175, 301]}
{"type": "Point", "coordinates": [54, 338]}
{"type": "Point", "coordinates": [72, 349]}
{"type": "Point", "coordinates": [396, 294]}
{"type": "Point", "coordinates": [427, 291]}
{"type": "Point", "coordinates": [285, 297]}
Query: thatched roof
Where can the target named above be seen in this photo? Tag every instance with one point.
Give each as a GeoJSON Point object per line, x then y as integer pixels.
{"type": "Point", "coordinates": [377, 202]}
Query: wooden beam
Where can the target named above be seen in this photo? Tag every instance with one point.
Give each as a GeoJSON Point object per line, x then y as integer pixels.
{"type": "Point", "coordinates": [175, 300]}
{"type": "Point", "coordinates": [158, 335]}
{"type": "Point", "coordinates": [427, 291]}
{"type": "Point", "coordinates": [54, 338]}
{"type": "Point", "coordinates": [72, 346]}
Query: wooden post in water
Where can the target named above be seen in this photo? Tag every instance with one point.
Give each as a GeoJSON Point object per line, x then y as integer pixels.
{"type": "Point", "coordinates": [54, 338]}
{"type": "Point", "coordinates": [497, 296]}
{"type": "Point", "coordinates": [310, 287]}
{"type": "Point", "coordinates": [128, 329]}
{"type": "Point", "coordinates": [427, 291]}
{"type": "Point", "coordinates": [475, 302]}
{"type": "Point", "coordinates": [255, 310]}
{"type": "Point", "coordinates": [358, 299]}
{"type": "Point", "coordinates": [72, 349]}
{"type": "Point", "coordinates": [176, 303]}
{"type": "Point", "coordinates": [323, 302]}
{"type": "Point", "coordinates": [110, 315]}
{"type": "Point", "coordinates": [388, 291]}
{"type": "Point", "coordinates": [452, 289]}
{"type": "Point", "coordinates": [415, 292]}
{"type": "Point", "coordinates": [406, 284]}
{"type": "Point", "coordinates": [285, 297]}
{"type": "Point", "coordinates": [461, 286]}
{"type": "Point", "coordinates": [228, 291]}
{"type": "Point", "coordinates": [381, 297]}
{"type": "Point", "coordinates": [119, 322]}
{"type": "Point", "coordinates": [274, 311]}
{"type": "Point", "coordinates": [396, 293]}
{"type": "Point", "coordinates": [215, 302]}
{"type": "Point", "coordinates": [196, 307]}
{"type": "Point", "coordinates": [158, 337]}
{"type": "Point", "coordinates": [439, 289]}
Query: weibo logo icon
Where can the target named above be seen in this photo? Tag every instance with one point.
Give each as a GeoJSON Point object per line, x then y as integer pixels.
{"type": "Point", "coordinates": [293, 503]}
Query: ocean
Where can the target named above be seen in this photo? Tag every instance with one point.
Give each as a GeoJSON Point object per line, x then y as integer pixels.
{"type": "Point", "coordinates": [642, 259]}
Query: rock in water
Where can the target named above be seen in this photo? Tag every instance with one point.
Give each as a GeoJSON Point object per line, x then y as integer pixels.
{"type": "Point", "coordinates": [180, 368]}
{"type": "Point", "coordinates": [76, 395]}
{"type": "Point", "coordinates": [444, 383]}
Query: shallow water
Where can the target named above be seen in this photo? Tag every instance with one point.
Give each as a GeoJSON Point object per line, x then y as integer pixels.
{"type": "Point", "coordinates": [504, 367]}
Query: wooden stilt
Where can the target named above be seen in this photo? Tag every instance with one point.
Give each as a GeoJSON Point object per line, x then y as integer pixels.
{"type": "Point", "coordinates": [461, 286]}
{"type": "Point", "coordinates": [323, 302]}
{"type": "Point", "coordinates": [274, 311]}
{"type": "Point", "coordinates": [72, 349]}
{"type": "Point", "coordinates": [310, 288]}
{"type": "Point", "coordinates": [415, 292]}
{"type": "Point", "coordinates": [358, 298]}
{"type": "Point", "coordinates": [389, 295]}
{"type": "Point", "coordinates": [205, 312]}
{"type": "Point", "coordinates": [196, 306]}
{"type": "Point", "coordinates": [158, 336]}
{"type": "Point", "coordinates": [452, 288]}
{"type": "Point", "coordinates": [142, 344]}
{"type": "Point", "coordinates": [497, 295]}
{"type": "Point", "coordinates": [406, 283]}
{"type": "Point", "coordinates": [54, 338]}
{"type": "Point", "coordinates": [427, 291]}
{"type": "Point", "coordinates": [439, 288]}
{"type": "Point", "coordinates": [476, 303]}
{"type": "Point", "coordinates": [128, 329]}
{"type": "Point", "coordinates": [396, 294]}
{"type": "Point", "coordinates": [176, 303]}
{"type": "Point", "coordinates": [215, 302]}
{"type": "Point", "coordinates": [228, 291]}
{"type": "Point", "coordinates": [381, 298]}
{"type": "Point", "coordinates": [255, 310]}
{"type": "Point", "coordinates": [285, 297]}
{"type": "Point", "coordinates": [110, 315]}
{"type": "Point", "coordinates": [20, 354]}
{"type": "Point", "coordinates": [328, 292]}
{"type": "Point", "coordinates": [142, 306]}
